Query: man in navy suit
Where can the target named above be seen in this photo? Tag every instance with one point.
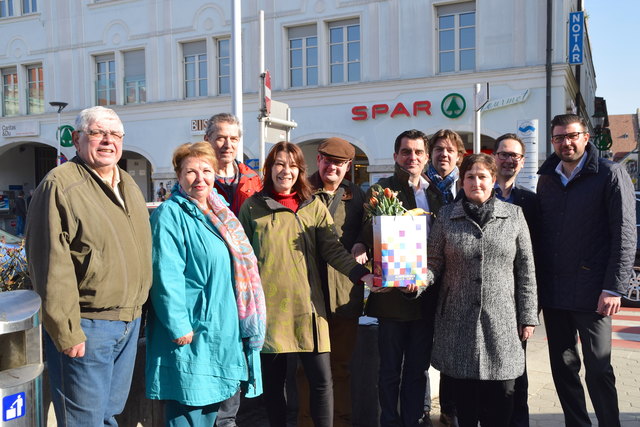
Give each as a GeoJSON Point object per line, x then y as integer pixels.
{"type": "Point", "coordinates": [509, 151]}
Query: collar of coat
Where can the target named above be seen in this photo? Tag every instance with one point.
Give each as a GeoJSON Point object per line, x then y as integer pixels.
{"type": "Point", "coordinates": [318, 186]}
{"type": "Point", "coordinates": [500, 210]}
{"type": "Point", "coordinates": [403, 176]}
{"type": "Point", "coordinates": [590, 166]}
{"type": "Point", "coordinates": [273, 205]}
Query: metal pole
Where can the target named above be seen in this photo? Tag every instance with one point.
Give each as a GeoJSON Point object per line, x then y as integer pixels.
{"type": "Point", "coordinates": [58, 140]}
{"type": "Point", "coordinates": [236, 68]}
{"type": "Point", "coordinates": [261, 124]}
{"type": "Point", "coordinates": [476, 134]}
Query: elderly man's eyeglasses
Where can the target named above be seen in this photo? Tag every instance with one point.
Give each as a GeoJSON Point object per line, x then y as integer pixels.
{"type": "Point", "coordinates": [334, 161]}
{"type": "Point", "coordinates": [572, 136]}
{"type": "Point", "coordinates": [101, 133]}
{"type": "Point", "coordinates": [503, 155]}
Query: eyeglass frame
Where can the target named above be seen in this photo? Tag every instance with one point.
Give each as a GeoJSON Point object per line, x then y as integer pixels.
{"type": "Point", "coordinates": [334, 161]}
{"type": "Point", "coordinates": [93, 133]}
{"type": "Point", "coordinates": [514, 156]}
{"type": "Point", "coordinates": [562, 137]}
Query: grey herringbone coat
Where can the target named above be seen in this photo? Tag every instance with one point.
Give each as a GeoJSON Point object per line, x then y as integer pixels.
{"type": "Point", "coordinates": [487, 289]}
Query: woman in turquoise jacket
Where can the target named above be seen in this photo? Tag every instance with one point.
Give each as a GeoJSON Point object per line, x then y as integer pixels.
{"type": "Point", "coordinates": [207, 319]}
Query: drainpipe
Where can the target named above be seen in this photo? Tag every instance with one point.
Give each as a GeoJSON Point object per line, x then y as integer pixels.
{"type": "Point", "coordinates": [548, 72]}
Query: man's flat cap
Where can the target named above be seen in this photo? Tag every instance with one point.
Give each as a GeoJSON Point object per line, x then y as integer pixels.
{"type": "Point", "coordinates": [338, 148]}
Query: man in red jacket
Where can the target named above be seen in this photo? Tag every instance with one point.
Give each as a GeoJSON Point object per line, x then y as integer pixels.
{"type": "Point", "coordinates": [235, 181]}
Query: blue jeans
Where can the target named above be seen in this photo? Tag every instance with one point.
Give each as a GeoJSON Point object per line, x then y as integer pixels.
{"type": "Point", "coordinates": [92, 390]}
{"type": "Point", "coordinates": [405, 354]}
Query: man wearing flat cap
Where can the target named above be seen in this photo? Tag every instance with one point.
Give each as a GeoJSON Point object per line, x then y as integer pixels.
{"type": "Point", "coordinates": [345, 202]}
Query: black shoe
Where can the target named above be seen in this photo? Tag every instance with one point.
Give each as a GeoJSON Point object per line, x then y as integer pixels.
{"type": "Point", "coordinates": [426, 420]}
{"type": "Point", "coordinates": [449, 420]}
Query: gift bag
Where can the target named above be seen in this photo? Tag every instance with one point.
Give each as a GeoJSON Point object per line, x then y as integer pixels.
{"type": "Point", "coordinates": [399, 251]}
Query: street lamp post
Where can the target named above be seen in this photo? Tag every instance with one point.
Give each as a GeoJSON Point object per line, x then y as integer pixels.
{"type": "Point", "coordinates": [60, 106]}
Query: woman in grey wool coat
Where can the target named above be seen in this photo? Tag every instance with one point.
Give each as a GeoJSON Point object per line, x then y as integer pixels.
{"type": "Point", "coordinates": [480, 254]}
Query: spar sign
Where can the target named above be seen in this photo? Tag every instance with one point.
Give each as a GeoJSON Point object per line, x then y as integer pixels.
{"type": "Point", "coordinates": [576, 37]}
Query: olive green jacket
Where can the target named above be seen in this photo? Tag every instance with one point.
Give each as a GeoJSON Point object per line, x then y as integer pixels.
{"type": "Point", "coordinates": [289, 247]}
{"type": "Point", "coordinates": [344, 299]}
{"type": "Point", "coordinates": [88, 256]}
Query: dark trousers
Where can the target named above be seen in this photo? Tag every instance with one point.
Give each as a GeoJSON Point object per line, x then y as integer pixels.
{"type": "Point", "coordinates": [447, 396]}
{"type": "Point", "coordinates": [343, 332]}
{"type": "Point", "coordinates": [228, 410]}
{"type": "Point", "coordinates": [317, 367]}
{"type": "Point", "coordinates": [405, 353]}
{"type": "Point", "coordinates": [520, 416]}
{"type": "Point", "coordinates": [487, 402]}
{"type": "Point", "coordinates": [563, 328]}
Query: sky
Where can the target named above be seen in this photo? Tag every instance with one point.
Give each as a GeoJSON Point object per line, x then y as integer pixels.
{"type": "Point", "coordinates": [614, 33]}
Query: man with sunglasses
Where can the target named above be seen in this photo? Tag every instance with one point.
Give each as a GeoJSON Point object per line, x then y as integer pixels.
{"type": "Point", "coordinates": [89, 251]}
{"type": "Point", "coordinates": [345, 202]}
{"type": "Point", "coordinates": [585, 253]}
{"type": "Point", "coordinates": [509, 151]}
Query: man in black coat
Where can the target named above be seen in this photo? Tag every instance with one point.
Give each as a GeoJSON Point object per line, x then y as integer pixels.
{"type": "Point", "coordinates": [509, 152]}
{"type": "Point", "coordinates": [586, 247]}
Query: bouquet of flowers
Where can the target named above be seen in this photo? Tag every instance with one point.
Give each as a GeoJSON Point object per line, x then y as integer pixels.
{"type": "Point", "coordinates": [399, 242]}
{"type": "Point", "coordinates": [384, 202]}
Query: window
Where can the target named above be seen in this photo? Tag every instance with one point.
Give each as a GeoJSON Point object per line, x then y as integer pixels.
{"type": "Point", "coordinates": [135, 90]}
{"type": "Point", "coordinates": [35, 81]}
{"type": "Point", "coordinates": [10, 98]}
{"type": "Point", "coordinates": [303, 56]}
{"type": "Point", "coordinates": [195, 69]}
{"type": "Point", "coordinates": [6, 8]}
{"type": "Point", "coordinates": [105, 80]}
{"type": "Point", "coordinates": [29, 6]}
{"type": "Point", "coordinates": [344, 51]}
{"type": "Point", "coordinates": [224, 66]}
{"type": "Point", "coordinates": [457, 37]}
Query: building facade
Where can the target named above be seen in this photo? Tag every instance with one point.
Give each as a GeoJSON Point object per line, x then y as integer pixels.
{"type": "Point", "coordinates": [364, 70]}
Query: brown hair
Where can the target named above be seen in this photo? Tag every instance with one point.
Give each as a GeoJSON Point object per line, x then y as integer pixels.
{"type": "Point", "coordinates": [484, 159]}
{"type": "Point", "coordinates": [451, 136]}
{"type": "Point", "coordinates": [200, 149]}
{"type": "Point", "coordinates": [301, 186]}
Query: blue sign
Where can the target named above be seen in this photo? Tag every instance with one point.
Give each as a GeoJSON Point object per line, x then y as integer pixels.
{"type": "Point", "coordinates": [13, 406]}
{"type": "Point", "coordinates": [253, 164]}
{"type": "Point", "coordinates": [576, 37]}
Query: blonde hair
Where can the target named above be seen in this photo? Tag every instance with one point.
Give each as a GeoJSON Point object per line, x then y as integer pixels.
{"type": "Point", "coordinates": [200, 149]}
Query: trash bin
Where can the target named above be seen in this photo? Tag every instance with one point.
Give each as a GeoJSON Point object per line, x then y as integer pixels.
{"type": "Point", "coordinates": [20, 359]}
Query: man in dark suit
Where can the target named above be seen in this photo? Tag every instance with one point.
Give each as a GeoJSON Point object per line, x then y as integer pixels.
{"type": "Point", "coordinates": [586, 247]}
{"type": "Point", "coordinates": [509, 151]}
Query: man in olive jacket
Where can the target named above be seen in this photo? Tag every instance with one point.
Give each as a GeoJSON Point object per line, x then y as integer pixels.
{"type": "Point", "coordinates": [585, 252]}
{"type": "Point", "coordinates": [405, 331]}
{"type": "Point", "coordinates": [89, 250]}
{"type": "Point", "coordinates": [344, 300]}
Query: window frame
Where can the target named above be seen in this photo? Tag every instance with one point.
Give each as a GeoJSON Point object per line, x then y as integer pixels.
{"type": "Point", "coordinates": [223, 79]}
{"type": "Point", "coordinates": [200, 62]}
{"type": "Point", "coordinates": [12, 87]}
{"type": "Point", "coordinates": [110, 73]}
{"type": "Point", "coordinates": [39, 89]}
{"type": "Point", "coordinates": [455, 10]}
{"type": "Point", "coordinates": [305, 34]}
{"type": "Point", "coordinates": [345, 25]}
{"type": "Point", "coordinates": [136, 82]}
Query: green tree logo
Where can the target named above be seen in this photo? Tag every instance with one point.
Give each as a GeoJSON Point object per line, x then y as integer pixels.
{"type": "Point", "coordinates": [453, 105]}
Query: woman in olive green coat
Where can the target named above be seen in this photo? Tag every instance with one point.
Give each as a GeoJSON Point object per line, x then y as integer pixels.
{"type": "Point", "coordinates": [290, 231]}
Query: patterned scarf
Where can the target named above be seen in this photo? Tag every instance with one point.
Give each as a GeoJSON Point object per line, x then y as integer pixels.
{"type": "Point", "coordinates": [252, 311]}
{"type": "Point", "coordinates": [444, 184]}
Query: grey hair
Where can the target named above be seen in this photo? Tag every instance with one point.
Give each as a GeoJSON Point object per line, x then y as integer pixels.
{"type": "Point", "coordinates": [212, 125]}
{"type": "Point", "coordinates": [90, 115]}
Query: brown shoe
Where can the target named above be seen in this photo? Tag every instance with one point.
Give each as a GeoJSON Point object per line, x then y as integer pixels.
{"type": "Point", "coordinates": [449, 420]}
